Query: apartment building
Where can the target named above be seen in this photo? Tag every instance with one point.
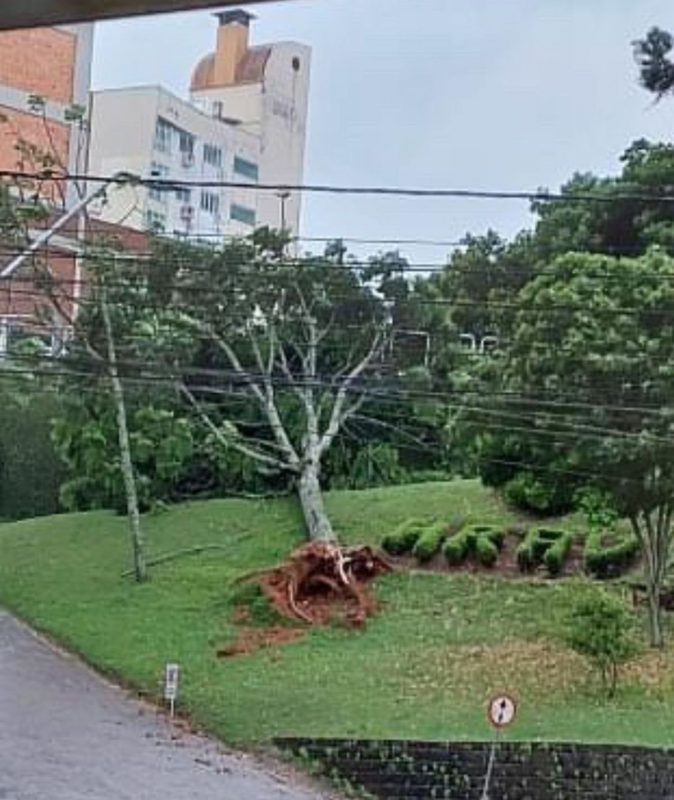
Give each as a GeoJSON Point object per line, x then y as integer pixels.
{"type": "Point", "coordinates": [244, 122]}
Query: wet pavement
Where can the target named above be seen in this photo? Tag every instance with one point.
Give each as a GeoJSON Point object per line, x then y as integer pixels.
{"type": "Point", "coordinates": [65, 734]}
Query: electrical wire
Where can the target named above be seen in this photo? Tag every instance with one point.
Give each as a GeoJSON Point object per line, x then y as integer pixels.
{"type": "Point", "coordinates": [386, 191]}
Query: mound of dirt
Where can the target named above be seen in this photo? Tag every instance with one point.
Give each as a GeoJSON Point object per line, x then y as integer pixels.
{"type": "Point", "coordinates": [322, 583]}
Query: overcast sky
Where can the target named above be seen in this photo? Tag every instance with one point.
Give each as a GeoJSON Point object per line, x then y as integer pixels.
{"type": "Point", "coordinates": [479, 94]}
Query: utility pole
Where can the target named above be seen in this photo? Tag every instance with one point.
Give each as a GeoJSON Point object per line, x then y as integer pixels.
{"type": "Point", "coordinates": [137, 539]}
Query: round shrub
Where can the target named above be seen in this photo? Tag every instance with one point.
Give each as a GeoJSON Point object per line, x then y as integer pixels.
{"type": "Point", "coordinates": [538, 493]}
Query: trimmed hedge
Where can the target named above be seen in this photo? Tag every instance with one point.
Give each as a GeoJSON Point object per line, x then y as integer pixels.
{"type": "Point", "coordinates": [483, 540]}
{"type": "Point", "coordinates": [430, 541]}
{"type": "Point", "coordinates": [401, 540]}
{"type": "Point", "coordinates": [457, 547]}
{"type": "Point", "coordinates": [486, 551]}
{"type": "Point", "coordinates": [544, 546]}
{"type": "Point", "coordinates": [606, 559]}
{"type": "Point", "coordinates": [557, 553]}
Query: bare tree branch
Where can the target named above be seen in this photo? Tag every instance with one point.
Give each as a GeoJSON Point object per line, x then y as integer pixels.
{"type": "Point", "coordinates": [336, 417]}
{"type": "Point", "coordinates": [265, 398]}
{"type": "Point", "coordinates": [388, 426]}
{"type": "Point", "coordinates": [263, 458]}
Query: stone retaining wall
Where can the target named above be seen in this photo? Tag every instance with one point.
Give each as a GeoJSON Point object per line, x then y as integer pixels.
{"type": "Point", "coordinates": [409, 770]}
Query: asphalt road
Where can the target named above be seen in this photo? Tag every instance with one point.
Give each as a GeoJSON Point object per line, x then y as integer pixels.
{"type": "Point", "coordinates": [65, 734]}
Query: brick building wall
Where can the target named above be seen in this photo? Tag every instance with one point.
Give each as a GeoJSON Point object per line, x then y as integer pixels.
{"type": "Point", "coordinates": [55, 64]}
{"type": "Point", "coordinates": [39, 61]}
{"type": "Point", "coordinates": [24, 304]}
{"type": "Point", "coordinates": [48, 135]}
{"type": "Point", "coordinates": [412, 770]}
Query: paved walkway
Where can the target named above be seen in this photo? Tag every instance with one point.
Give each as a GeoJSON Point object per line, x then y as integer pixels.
{"type": "Point", "coordinates": [65, 734]}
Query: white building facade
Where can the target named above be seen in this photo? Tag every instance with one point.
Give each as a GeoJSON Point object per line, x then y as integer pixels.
{"type": "Point", "coordinates": [245, 123]}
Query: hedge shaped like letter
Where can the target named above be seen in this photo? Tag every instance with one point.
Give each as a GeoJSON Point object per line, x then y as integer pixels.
{"type": "Point", "coordinates": [606, 559]}
{"type": "Point", "coordinates": [544, 546]}
{"type": "Point", "coordinates": [404, 537]}
{"type": "Point", "coordinates": [430, 541]}
{"type": "Point", "coordinates": [483, 540]}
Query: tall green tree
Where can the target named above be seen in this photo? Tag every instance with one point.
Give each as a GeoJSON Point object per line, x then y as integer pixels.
{"type": "Point", "coordinates": [656, 69]}
{"type": "Point", "coordinates": [597, 334]}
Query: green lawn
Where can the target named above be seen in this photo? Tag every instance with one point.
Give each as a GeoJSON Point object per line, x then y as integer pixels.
{"type": "Point", "coordinates": [423, 668]}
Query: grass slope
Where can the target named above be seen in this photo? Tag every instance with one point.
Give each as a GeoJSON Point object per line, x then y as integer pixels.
{"type": "Point", "coordinates": [423, 668]}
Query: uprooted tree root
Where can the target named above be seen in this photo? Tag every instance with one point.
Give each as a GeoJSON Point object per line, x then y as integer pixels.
{"type": "Point", "coordinates": [322, 582]}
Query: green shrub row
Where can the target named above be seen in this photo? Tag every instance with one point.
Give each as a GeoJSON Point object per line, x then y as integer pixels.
{"type": "Point", "coordinates": [483, 540]}
{"type": "Point", "coordinates": [430, 542]}
{"type": "Point", "coordinates": [402, 539]}
{"type": "Point", "coordinates": [609, 553]}
{"type": "Point", "coordinates": [544, 546]}
{"type": "Point", "coordinates": [556, 555]}
{"type": "Point", "coordinates": [457, 547]}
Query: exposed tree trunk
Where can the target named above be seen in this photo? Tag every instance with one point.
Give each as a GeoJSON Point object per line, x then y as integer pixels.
{"type": "Point", "coordinates": [655, 615]}
{"type": "Point", "coordinates": [311, 500]}
{"type": "Point", "coordinates": [655, 539]}
{"type": "Point", "coordinates": [137, 543]}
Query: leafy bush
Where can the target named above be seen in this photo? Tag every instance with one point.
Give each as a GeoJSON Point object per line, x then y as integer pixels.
{"type": "Point", "coordinates": [538, 493]}
{"type": "Point", "coordinates": [599, 629]}
{"type": "Point", "coordinates": [457, 547]}
{"type": "Point", "coordinates": [404, 537]}
{"type": "Point", "coordinates": [609, 550]}
{"type": "Point", "coordinates": [486, 551]}
{"type": "Point", "coordinates": [30, 469]}
{"type": "Point", "coordinates": [538, 543]}
{"type": "Point", "coordinates": [526, 559]}
{"type": "Point", "coordinates": [557, 553]}
{"type": "Point", "coordinates": [484, 540]}
{"type": "Point", "coordinates": [609, 553]}
{"type": "Point", "coordinates": [430, 541]}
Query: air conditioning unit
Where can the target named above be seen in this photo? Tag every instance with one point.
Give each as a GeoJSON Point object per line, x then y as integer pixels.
{"type": "Point", "coordinates": [187, 213]}
{"type": "Point", "coordinates": [188, 158]}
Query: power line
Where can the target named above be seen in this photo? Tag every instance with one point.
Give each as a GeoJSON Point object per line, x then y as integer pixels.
{"type": "Point", "coordinates": [493, 273]}
{"type": "Point", "coordinates": [390, 191]}
{"type": "Point", "coordinates": [400, 304]}
{"type": "Point", "coordinates": [244, 379]}
{"type": "Point", "coordinates": [428, 446]}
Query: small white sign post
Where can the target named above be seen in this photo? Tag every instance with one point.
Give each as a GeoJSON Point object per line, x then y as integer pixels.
{"type": "Point", "coordinates": [501, 712]}
{"type": "Point", "coordinates": [171, 679]}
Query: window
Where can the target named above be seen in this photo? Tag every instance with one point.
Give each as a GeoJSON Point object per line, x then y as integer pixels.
{"type": "Point", "coordinates": [157, 192]}
{"type": "Point", "coordinates": [210, 202]}
{"type": "Point", "coordinates": [162, 135]}
{"type": "Point", "coordinates": [154, 221]}
{"type": "Point", "coordinates": [246, 168]}
{"type": "Point", "coordinates": [183, 195]}
{"type": "Point", "coordinates": [186, 143]}
{"type": "Point", "coordinates": [15, 332]}
{"type": "Point", "coordinates": [212, 155]}
{"type": "Point", "coordinates": [242, 214]}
